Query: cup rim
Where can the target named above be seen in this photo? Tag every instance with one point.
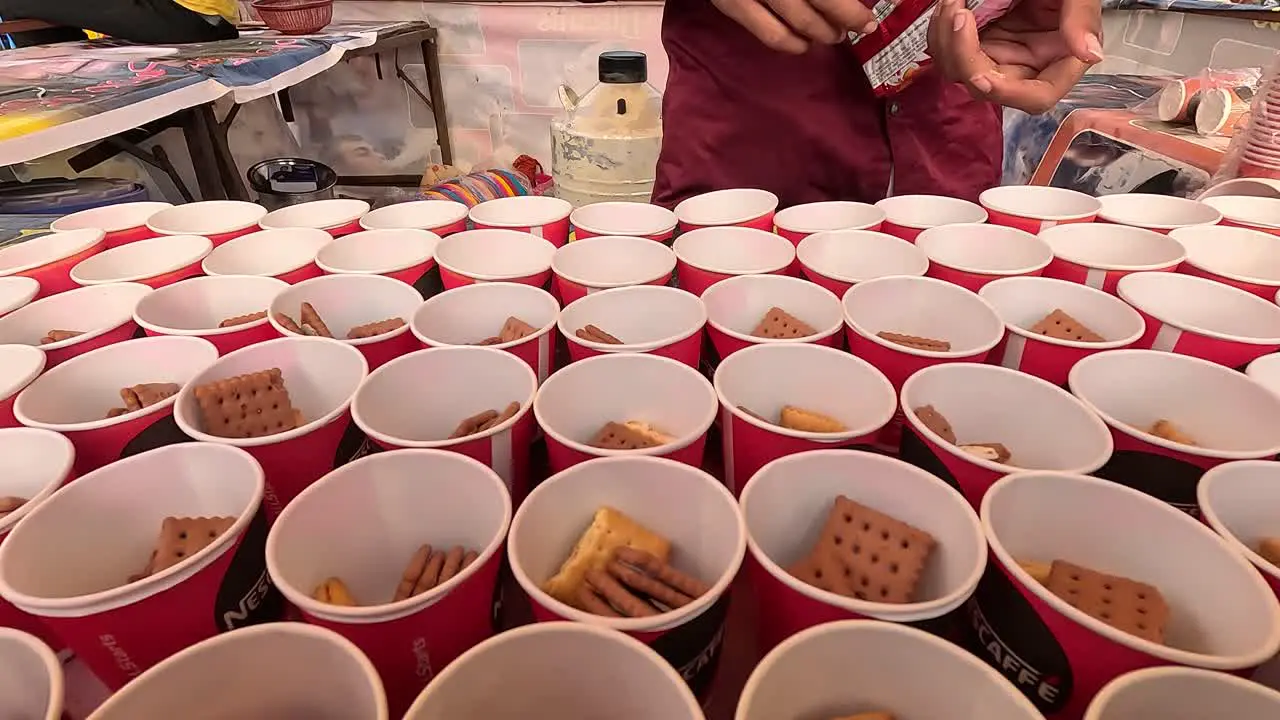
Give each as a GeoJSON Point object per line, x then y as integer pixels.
{"type": "Point", "coordinates": [459, 209]}
{"type": "Point", "coordinates": [52, 668]}
{"type": "Point", "coordinates": [1120, 637]}
{"type": "Point", "coordinates": [802, 248]}
{"type": "Point", "coordinates": [55, 481]}
{"type": "Point", "coordinates": [665, 228]}
{"type": "Point", "coordinates": [37, 360]}
{"type": "Point", "coordinates": [142, 290]}
{"type": "Point", "coordinates": [1118, 201]}
{"type": "Point", "coordinates": [209, 332]}
{"type": "Point", "coordinates": [71, 221]}
{"type": "Point", "coordinates": [354, 342]}
{"type": "Point", "coordinates": [30, 288]}
{"type": "Point", "coordinates": [92, 237]}
{"type": "Point", "coordinates": [994, 199]}
{"type": "Point", "coordinates": [1048, 235]}
{"type": "Point", "coordinates": [227, 247]}
{"type": "Point", "coordinates": [200, 248]}
{"type": "Point", "coordinates": [426, 235]}
{"type": "Point", "coordinates": [957, 203]}
{"type": "Point", "coordinates": [650, 346]}
{"type": "Point", "coordinates": [819, 334]}
{"type": "Point", "coordinates": [1135, 677]}
{"type": "Point", "coordinates": [462, 289]}
{"type": "Point", "coordinates": [734, 229]}
{"type": "Point", "coordinates": [206, 230]}
{"type": "Point", "coordinates": [353, 211]}
{"type": "Point", "coordinates": [562, 211]}
{"type": "Point", "coordinates": [757, 193]}
{"type": "Point", "coordinates": [669, 260]}
{"type": "Point", "coordinates": [945, 354]}
{"type": "Point", "coordinates": [1235, 217]}
{"type": "Point", "coordinates": [991, 229]}
{"type": "Point", "coordinates": [1110, 299]}
{"type": "Point", "coordinates": [1210, 514]}
{"type": "Point", "coordinates": [1228, 230]}
{"type": "Point", "coordinates": [1128, 280]}
{"type": "Point", "coordinates": [490, 277]}
{"type": "Point", "coordinates": [783, 215]}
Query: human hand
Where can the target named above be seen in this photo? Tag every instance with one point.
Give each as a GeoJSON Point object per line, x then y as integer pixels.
{"type": "Point", "coordinates": [1028, 59]}
{"type": "Point", "coordinates": [791, 25]}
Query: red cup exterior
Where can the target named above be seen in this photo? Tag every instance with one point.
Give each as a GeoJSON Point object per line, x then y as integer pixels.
{"type": "Point", "coordinates": [169, 278]}
{"type": "Point", "coordinates": [1045, 360]}
{"type": "Point", "coordinates": [105, 445]}
{"type": "Point", "coordinates": [556, 233]}
{"type": "Point", "coordinates": [1262, 228]}
{"type": "Point", "coordinates": [663, 237]}
{"type": "Point", "coordinates": [764, 222]}
{"type": "Point", "coordinates": [124, 237]}
{"type": "Point", "coordinates": [901, 231]}
{"type": "Point", "coordinates": [452, 279]}
{"type": "Point", "coordinates": [1096, 278]}
{"type": "Point", "coordinates": [971, 479]}
{"type": "Point", "coordinates": [1231, 353]}
{"type": "Point", "coordinates": [1264, 291]}
{"type": "Point", "coordinates": [345, 229]}
{"type": "Point", "coordinates": [971, 280]}
{"type": "Point", "coordinates": [221, 238]}
{"type": "Point", "coordinates": [297, 275]}
{"type": "Point", "coordinates": [747, 447]}
{"type": "Point", "coordinates": [1030, 224]}
{"type": "Point", "coordinates": [292, 465]}
{"type": "Point", "coordinates": [55, 277]}
{"type": "Point", "coordinates": [696, 280]}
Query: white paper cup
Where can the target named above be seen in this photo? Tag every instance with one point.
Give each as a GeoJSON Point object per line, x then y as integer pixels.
{"type": "Point", "coordinates": [16, 291]}
{"type": "Point", "coordinates": [567, 670]}
{"type": "Point", "coordinates": [1034, 208]}
{"type": "Point", "coordinates": [1161, 213]}
{"type": "Point", "coordinates": [1256, 212]}
{"type": "Point", "coordinates": [348, 301]}
{"type": "Point", "coordinates": [598, 263]}
{"type": "Point", "coordinates": [746, 207]}
{"type": "Point", "coordinates": [123, 222]}
{"type": "Point", "coordinates": [1170, 692]}
{"type": "Point", "coordinates": [541, 215]}
{"type": "Point", "coordinates": [1099, 254]}
{"type": "Point", "coordinates": [19, 365]}
{"type": "Point", "coordinates": [155, 262]}
{"type": "Point", "coordinates": [1024, 301]}
{"type": "Point", "coordinates": [218, 220]}
{"type": "Point", "coordinates": [1265, 371]}
{"type": "Point", "coordinates": [48, 258]}
{"type": "Point", "coordinates": [839, 259]}
{"type": "Point", "coordinates": [443, 217]}
{"type": "Point", "coordinates": [197, 306]}
{"type": "Point", "coordinates": [31, 684]}
{"type": "Point", "coordinates": [102, 314]}
{"type": "Point", "coordinates": [469, 314]}
{"type": "Point", "coordinates": [736, 305]}
{"type": "Point", "coordinates": [652, 222]}
{"type": "Point", "coordinates": [577, 401]}
{"type": "Point", "coordinates": [683, 504]}
{"type": "Point", "coordinates": [276, 670]}
{"type": "Point", "coordinates": [1202, 318]}
{"type": "Point", "coordinates": [663, 321]}
{"type": "Point", "coordinates": [393, 503]}
{"type": "Point", "coordinates": [1239, 257]}
{"type": "Point", "coordinates": [1241, 187]}
{"type": "Point", "coordinates": [405, 255]}
{"type": "Point", "coordinates": [850, 667]}
{"type": "Point", "coordinates": [1223, 616]}
{"type": "Point", "coordinates": [972, 255]}
{"type": "Point", "coordinates": [800, 221]}
{"type": "Point", "coordinates": [1240, 500]}
{"type": "Point", "coordinates": [287, 254]}
{"type": "Point", "coordinates": [709, 255]}
{"type": "Point", "coordinates": [906, 216]}
{"type": "Point", "coordinates": [335, 215]}
{"type": "Point", "coordinates": [494, 256]}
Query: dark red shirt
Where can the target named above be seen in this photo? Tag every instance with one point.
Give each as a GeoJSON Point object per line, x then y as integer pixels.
{"type": "Point", "coordinates": [808, 127]}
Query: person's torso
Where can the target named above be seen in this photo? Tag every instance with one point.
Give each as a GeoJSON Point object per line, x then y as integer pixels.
{"type": "Point", "coordinates": [224, 8]}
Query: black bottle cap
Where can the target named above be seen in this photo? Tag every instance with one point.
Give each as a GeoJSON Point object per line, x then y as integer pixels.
{"type": "Point", "coordinates": [623, 66]}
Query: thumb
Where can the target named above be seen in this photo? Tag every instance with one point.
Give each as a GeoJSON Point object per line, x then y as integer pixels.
{"type": "Point", "coordinates": [1081, 26]}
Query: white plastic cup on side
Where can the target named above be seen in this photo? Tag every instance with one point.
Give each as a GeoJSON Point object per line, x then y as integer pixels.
{"type": "Point", "coordinates": [681, 503]}
{"type": "Point", "coordinates": [800, 221]}
{"type": "Point", "coordinates": [736, 305]}
{"type": "Point", "coordinates": [539, 215]}
{"type": "Point", "coordinates": [394, 503]}
{"type": "Point", "coordinates": [1228, 415]}
{"type": "Point", "coordinates": [406, 255]}
{"type": "Point", "coordinates": [1161, 213]}
{"type": "Point", "coordinates": [1256, 213]}
{"type": "Point", "coordinates": [287, 254]}
{"type": "Point", "coordinates": [1170, 692]}
{"type": "Point", "coordinates": [1239, 257]}
{"type": "Point", "coordinates": [470, 314]}
{"type": "Point", "coordinates": [1099, 254]}
{"type": "Point", "coordinates": [19, 366]}
{"type": "Point", "coordinates": [479, 256]}
{"type": "Point", "coordinates": [1033, 208]}
{"type": "Point", "coordinates": [345, 302]}
{"type": "Point", "coordinates": [857, 666]}
{"type": "Point", "coordinates": [218, 220]}
{"type": "Point", "coordinates": [1043, 426]}
{"type": "Point", "coordinates": [48, 258]}
{"type": "Point", "coordinates": [336, 216]}
{"type": "Point", "coordinates": [16, 291]}
{"type": "Point", "coordinates": [1240, 501]}
{"type": "Point", "coordinates": [599, 263]}
{"type": "Point", "coordinates": [1223, 616]}
{"type": "Point", "coordinates": [741, 207]}
{"type": "Point", "coordinates": [75, 398]}
{"type": "Point", "coordinates": [278, 670]}
{"type": "Point", "coordinates": [786, 505]}
{"type": "Point", "coordinates": [906, 216]}
{"type": "Point", "coordinates": [154, 262]}
{"type": "Point", "coordinates": [121, 628]}
{"type": "Point", "coordinates": [577, 401]}
{"type": "Point", "coordinates": [101, 314]}
{"type": "Point", "coordinates": [973, 255]}
{"type": "Point", "coordinates": [196, 307]}
{"type": "Point", "coordinates": [31, 682]}
{"type": "Point", "coordinates": [442, 217]}
{"type": "Point", "coordinates": [708, 255]}
{"type": "Point", "coordinates": [1194, 316]}
{"type": "Point", "coordinates": [123, 223]}
{"type": "Point", "coordinates": [563, 669]}
{"type": "Point", "coordinates": [652, 222]}
{"type": "Point", "coordinates": [1024, 301]}
{"type": "Point", "coordinates": [840, 259]}
{"type": "Point", "coordinates": [662, 321]}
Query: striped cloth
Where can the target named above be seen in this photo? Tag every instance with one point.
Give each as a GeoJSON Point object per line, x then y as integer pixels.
{"type": "Point", "coordinates": [473, 189]}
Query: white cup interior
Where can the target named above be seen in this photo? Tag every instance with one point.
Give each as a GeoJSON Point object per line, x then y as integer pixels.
{"type": "Point", "coordinates": [44, 249]}
{"type": "Point", "coordinates": [16, 291]}
{"type": "Point", "coordinates": [623, 218]}
{"type": "Point", "coordinates": [91, 311]}
{"type": "Point", "coordinates": [142, 259]}
{"type": "Point", "coordinates": [1243, 188]}
{"type": "Point", "coordinates": [1265, 371]}
{"type": "Point", "coordinates": [1241, 501]}
{"type": "Point", "coordinates": [495, 254]}
{"type": "Point", "coordinates": [726, 207]}
{"type": "Point", "coordinates": [110, 218]}
{"type": "Point", "coordinates": [1113, 247]}
{"type": "Point", "coordinates": [1232, 252]}
{"type": "Point", "coordinates": [853, 256]}
{"type": "Point", "coordinates": [1043, 426]}
{"type": "Point", "coordinates": [1024, 301]}
{"type": "Point", "coordinates": [1162, 212]}
{"type": "Point", "coordinates": [1223, 615]}
{"type": "Point", "coordinates": [348, 301]}
{"type": "Point", "coordinates": [471, 313]}
{"type": "Point", "coordinates": [643, 317]}
{"type": "Point", "coordinates": [521, 211]}
{"type": "Point", "coordinates": [827, 216]}
{"type": "Point", "coordinates": [736, 305]}
{"type": "Point", "coordinates": [31, 683]}
{"type": "Point", "coordinates": [1174, 692]}
{"type": "Point", "coordinates": [416, 215]}
{"type": "Point", "coordinates": [210, 217]}
{"type": "Point", "coordinates": [267, 252]}
{"type": "Point", "coordinates": [923, 307]}
{"type": "Point", "coordinates": [19, 365]}
{"type": "Point", "coordinates": [1202, 306]}
{"type": "Point", "coordinates": [926, 211]}
{"type": "Point", "coordinates": [197, 306]}
{"type": "Point", "coordinates": [1259, 211]}
{"type": "Point", "coordinates": [33, 463]}
{"type": "Point", "coordinates": [985, 249]}
{"type": "Point", "coordinates": [613, 261]}
{"type": "Point", "coordinates": [377, 251]}
{"type": "Point", "coordinates": [317, 214]}
{"type": "Point", "coordinates": [734, 250]}
{"type": "Point", "coordinates": [1038, 201]}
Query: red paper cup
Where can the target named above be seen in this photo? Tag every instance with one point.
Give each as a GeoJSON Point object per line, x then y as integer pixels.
{"type": "Point", "coordinates": [683, 504]}
{"type": "Point", "coordinates": [972, 255]}
{"type": "Point", "coordinates": [16, 291]}
{"type": "Point", "coordinates": [1175, 100]}
{"type": "Point", "coordinates": [1239, 257]}
{"type": "Point", "coordinates": [348, 301]}
{"type": "Point", "coordinates": [75, 397]}
{"type": "Point", "coordinates": [743, 207]}
{"type": "Point", "coordinates": [322, 377]}
{"type": "Point", "coordinates": [469, 314]}
{"type": "Point", "coordinates": [155, 262]}
{"type": "Point", "coordinates": [656, 320]}
{"type": "Point", "coordinates": [123, 223]}
{"type": "Point", "coordinates": [286, 254]}
{"type": "Point", "coordinates": [1174, 691]}
{"type": "Point", "coordinates": [599, 263]}
{"type": "Point", "coordinates": [406, 255]}
{"type": "Point", "coordinates": [539, 215]}
{"type": "Point", "coordinates": [218, 220]}
{"type": "Point", "coordinates": [840, 259]}
{"type": "Point", "coordinates": [396, 409]}
{"type": "Point", "coordinates": [48, 258]}
{"type": "Point", "coordinates": [880, 666]}
{"type": "Point", "coordinates": [735, 306]}
{"type": "Point", "coordinates": [197, 307]}
{"type": "Point", "coordinates": [1239, 501]}
{"type": "Point", "coordinates": [765, 378]}
{"type": "Point", "coordinates": [800, 221]}
{"type": "Point", "coordinates": [1033, 208]}
{"type": "Point", "coordinates": [1098, 255]}
{"type": "Point", "coordinates": [31, 684]}
{"type": "Point", "coordinates": [442, 217]}
{"type": "Point", "coordinates": [629, 219]}
{"type": "Point", "coordinates": [103, 314]}
{"type": "Point", "coordinates": [788, 500]}
{"type": "Point", "coordinates": [1224, 617]}
{"type": "Point", "coordinates": [1228, 414]}
{"type": "Point", "coordinates": [285, 669]}
{"type": "Point", "coordinates": [906, 216]}
{"type": "Point", "coordinates": [573, 404]}
{"type": "Point", "coordinates": [543, 667]}
{"type": "Point", "coordinates": [1023, 302]}
{"type": "Point", "coordinates": [1161, 213]}
{"type": "Point", "coordinates": [1043, 426]}
{"type": "Point", "coordinates": [1255, 213]}
{"type": "Point", "coordinates": [336, 216]}
{"type": "Point", "coordinates": [707, 256]}
{"type": "Point", "coordinates": [494, 256]}
{"type": "Point", "coordinates": [393, 503]}
{"type": "Point", "coordinates": [19, 366]}
{"type": "Point", "coordinates": [1198, 317]}
{"type": "Point", "coordinates": [119, 630]}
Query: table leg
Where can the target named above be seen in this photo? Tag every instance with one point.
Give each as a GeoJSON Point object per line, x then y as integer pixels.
{"type": "Point", "coordinates": [228, 173]}
{"type": "Point", "coordinates": [204, 162]}
{"type": "Point", "coordinates": [431, 62]}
